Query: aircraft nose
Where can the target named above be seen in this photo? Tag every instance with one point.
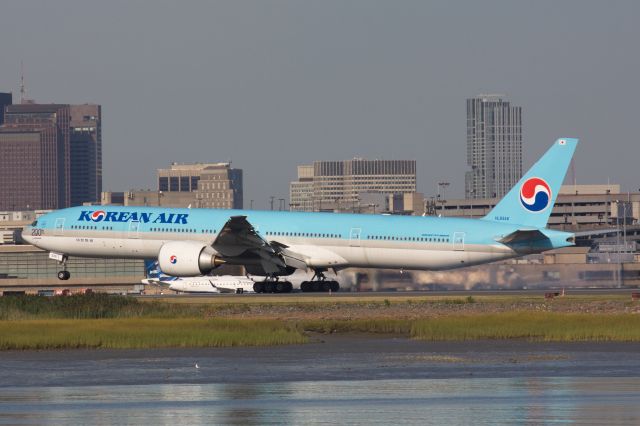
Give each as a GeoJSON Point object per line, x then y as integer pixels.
{"type": "Point", "coordinates": [26, 235]}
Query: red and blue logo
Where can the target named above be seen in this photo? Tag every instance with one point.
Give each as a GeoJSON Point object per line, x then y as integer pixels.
{"type": "Point", "coordinates": [535, 194]}
{"type": "Point", "coordinates": [98, 215]}
{"type": "Point", "coordinates": [173, 260]}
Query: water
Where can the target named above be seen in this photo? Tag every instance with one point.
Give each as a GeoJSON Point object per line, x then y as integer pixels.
{"type": "Point", "coordinates": [344, 380]}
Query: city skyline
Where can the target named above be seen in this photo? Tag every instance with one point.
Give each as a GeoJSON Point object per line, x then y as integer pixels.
{"type": "Point", "coordinates": [269, 86]}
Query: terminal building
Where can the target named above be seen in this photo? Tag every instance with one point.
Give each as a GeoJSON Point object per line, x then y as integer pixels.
{"type": "Point", "coordinates": [343, 185]}
{"type": "Point", "coordinates": [577, 207]}
{"type": "Point", "coordinates": [24, 268]}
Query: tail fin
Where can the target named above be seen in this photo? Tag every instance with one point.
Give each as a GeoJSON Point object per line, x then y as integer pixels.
{"type": "Point", "coordinates": [153, 271]}
{"type": "Point", "coordinates": [529, 203]}
{"type": "Point", "coordinates": [151, 268]}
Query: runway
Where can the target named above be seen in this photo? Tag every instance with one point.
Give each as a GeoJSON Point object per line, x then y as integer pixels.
{"type": "Point", "coordinates": [406, 294]}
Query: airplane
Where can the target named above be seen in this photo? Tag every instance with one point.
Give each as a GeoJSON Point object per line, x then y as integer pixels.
{"type": "Point", "coordinates": [274, 244]}
{"type": "Point", "coordinates": [203, 284]}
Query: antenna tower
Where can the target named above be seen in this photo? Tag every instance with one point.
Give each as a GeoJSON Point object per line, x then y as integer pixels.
{"type": "Point", "coordinates": [22, 89]}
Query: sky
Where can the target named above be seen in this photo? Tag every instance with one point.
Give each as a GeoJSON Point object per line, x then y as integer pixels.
{"type": "Point", "coordinates": [269, 85]}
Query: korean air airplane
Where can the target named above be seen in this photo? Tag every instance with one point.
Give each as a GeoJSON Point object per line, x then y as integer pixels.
{"type": "Point", "coordinates": [192, 242]}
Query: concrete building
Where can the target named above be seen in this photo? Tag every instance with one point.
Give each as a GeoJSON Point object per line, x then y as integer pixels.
{"type": "Point", "coordinates": [199, 185]}
{"type": "Point", "coordinates": [86, 153]}
{"type": "Point", "coordinates": [577, 207]}
{"type": "Point", "coordinates": [301, 191]}
{"type": "Point", "coordinates": [34, 157]}
{"type": "Point", "coordinates": [494, 146]}
{"type": "Point", "coordinates": [339, 185]}
{"type": "Point", "coordinates": [212, 185]}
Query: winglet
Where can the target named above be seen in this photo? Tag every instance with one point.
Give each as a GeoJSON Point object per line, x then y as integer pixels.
{"type": "Point", "coordinates": [530, 202]}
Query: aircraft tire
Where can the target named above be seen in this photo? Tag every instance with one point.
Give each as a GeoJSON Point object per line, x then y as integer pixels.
{"type": "Point", "coordinates": [269, 287]}
{"type": "Point", "coordinates": [326, 286]}
{"type": "Point", "coordinates": [240, 290]}
{"type": "Point", "coordinates": [281, 287]}
{"type": "Point", "coordinates": [258, 287]}
{"type": "Point", "coordinates": [316, 286]}
{"type": "Point", "coordinates": [61, 275]}
{"type": "Point", "coordinates": [305, 286]}
{"type": "Point", "coordinates": [288, 287]}
{"type": "Point", "coordinates": [335, 286]}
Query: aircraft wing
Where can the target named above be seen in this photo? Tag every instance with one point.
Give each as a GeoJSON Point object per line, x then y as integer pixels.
{"type": "Point", "coordinates": [239, 238]}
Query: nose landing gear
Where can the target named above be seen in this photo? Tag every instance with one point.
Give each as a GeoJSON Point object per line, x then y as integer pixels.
{"type": "Point", "coordinates": [63, 275]}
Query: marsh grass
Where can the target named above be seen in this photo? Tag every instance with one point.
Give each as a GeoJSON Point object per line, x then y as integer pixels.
{"type": "Point", "coordinates": [92, 306]}
{"type": "Point", "coordinates": [136, 333]}
{"type": "Point", "coordinates": [376, 326]}
{"type": "Point", "coordinates": [104, 321]}
{"type": "Point", "coordinates": [539, 326]}
{"type": "Point", "coordinates": [542, 326]}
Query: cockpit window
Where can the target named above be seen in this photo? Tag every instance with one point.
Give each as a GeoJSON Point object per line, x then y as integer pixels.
{"type": "Point", "coordinates": [34, 223]}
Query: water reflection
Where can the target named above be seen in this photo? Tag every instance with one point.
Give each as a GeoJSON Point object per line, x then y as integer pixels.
{"type": "Point", "coordinates": [425, 401]}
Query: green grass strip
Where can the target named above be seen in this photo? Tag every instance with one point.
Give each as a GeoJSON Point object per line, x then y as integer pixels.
{"type": "Point", "coordinates": [144, 333]}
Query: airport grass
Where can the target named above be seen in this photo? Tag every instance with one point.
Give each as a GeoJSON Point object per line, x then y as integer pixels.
{"type": "Point", "coordinates": [144, 333]}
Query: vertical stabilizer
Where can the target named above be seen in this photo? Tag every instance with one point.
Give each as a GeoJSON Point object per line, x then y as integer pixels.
{"type": "Point", "coordinates": [530, 202]}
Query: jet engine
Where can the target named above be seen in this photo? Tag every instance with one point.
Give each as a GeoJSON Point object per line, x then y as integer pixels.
{"type": "Point", "coordinates": [188, 258]}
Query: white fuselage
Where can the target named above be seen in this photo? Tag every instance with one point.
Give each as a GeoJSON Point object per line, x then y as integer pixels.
{"type": "Point", "coordinates": [211, 284]}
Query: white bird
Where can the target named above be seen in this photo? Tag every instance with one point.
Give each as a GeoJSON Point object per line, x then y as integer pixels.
{"type": "Point", "coordinates": [197, 366]}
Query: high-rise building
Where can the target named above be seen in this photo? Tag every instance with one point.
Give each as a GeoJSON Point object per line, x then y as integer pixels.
{"type": "Point", "coordinates": [34, 157]}
{"type": "Point", "coordinates": [339, 185]}
{"type": "Point", "coordinates": [86, 154]}
{"type": "Point", "coordinates": [29, 178]}
{"type": "Point", "coordinates": [213, 185]}
{"type": "Point", "coordinates": [494, 146]}
{"type": "Point", "coordinates": [51, 154]}
{"type": "Point", "coordinates": [5, 99]}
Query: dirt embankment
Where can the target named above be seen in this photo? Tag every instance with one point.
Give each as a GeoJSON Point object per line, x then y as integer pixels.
{"type": "Point", "coordinates": [408, 310]}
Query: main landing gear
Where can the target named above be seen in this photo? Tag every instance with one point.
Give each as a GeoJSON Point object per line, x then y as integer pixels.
{"type": "Point", "coordinates": [64, 274]}
{"type": "Point", "coordinates": [272, 285]}
{"type": "Point", "coordinates": [321, 284]}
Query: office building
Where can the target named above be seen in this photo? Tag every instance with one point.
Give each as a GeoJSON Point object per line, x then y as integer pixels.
{"type": "Point", "coordinates": [203, 185]}
{"type": "Point", "coordinates": [50, 155]}
{"type": "Point", "coordinates": [212, 185]}
{"type": "Point", "coordinates": [5, 99]}
{"type": "Point", "coordinates": [86, 153]}
{"type": "Point", "coordinates": [494, 146]}
{"type": "Point", "coordinates": [34, 157]}
{"type": "Point", "coordinates": [339, 185]}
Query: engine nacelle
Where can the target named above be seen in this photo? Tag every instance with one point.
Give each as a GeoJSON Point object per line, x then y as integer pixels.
{"type": "Point", "coordinates": [187, 258]}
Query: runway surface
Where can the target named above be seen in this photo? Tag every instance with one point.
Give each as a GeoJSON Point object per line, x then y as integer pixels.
{"type": "Point", "coordinates": [407, 294]}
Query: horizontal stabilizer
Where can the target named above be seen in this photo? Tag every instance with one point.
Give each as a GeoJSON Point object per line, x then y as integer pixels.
{"type": "Point", "coordinates": [522, 235]}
